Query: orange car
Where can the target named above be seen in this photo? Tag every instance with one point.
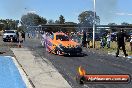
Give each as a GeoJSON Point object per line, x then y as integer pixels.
{"type": "Point", "coordinates": [60, 44]}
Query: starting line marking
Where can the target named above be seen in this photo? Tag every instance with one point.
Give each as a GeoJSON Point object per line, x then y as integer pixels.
{"type": "Point", "coordinates": [22, 73]}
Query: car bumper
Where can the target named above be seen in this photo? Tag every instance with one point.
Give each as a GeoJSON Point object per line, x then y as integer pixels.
{"type": "Point", "coordinates": [9, 39]}
{"type": "Point", "coordinates": [71, 51]}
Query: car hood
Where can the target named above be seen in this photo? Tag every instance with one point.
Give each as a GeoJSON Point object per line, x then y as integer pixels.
{"type": "Point", "coordinates": [68, 43]}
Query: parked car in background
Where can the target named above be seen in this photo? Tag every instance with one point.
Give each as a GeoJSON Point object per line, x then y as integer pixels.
{"type": "Point", "coordinates": [10, 35]}
{"type": "Point", "coordinates": [128, 36]}
{"type": "Point", "coordinates": [113, 36]}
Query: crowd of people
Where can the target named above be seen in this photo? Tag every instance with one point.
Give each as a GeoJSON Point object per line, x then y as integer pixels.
{"type": "Point", "coordinates": [105, 40]}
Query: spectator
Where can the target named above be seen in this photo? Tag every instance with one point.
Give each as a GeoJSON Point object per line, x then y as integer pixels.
{"type": "Point", "coordinates": [131, 42]}
{"type": "Point", "coordinates": [23, 35]}
{"type": "Point", "coordinates": [84, 39]}
{"type": "Point", "coordinates": [43, 40]}
{"type": "Point", "coordinates": [121, 42]}
{"type": "Point", "coordinates": [17, 36]}
{"type": "Point", "coordinates": [108, 40]}
{"type": "Point", "coordinates": [20, 37]}
{"type": "Point", "coordinates": [103, 41]}
{"type": "Point", "coordinates": [87, 40]}
{"type": "Point", "coordinates": [28, 34]}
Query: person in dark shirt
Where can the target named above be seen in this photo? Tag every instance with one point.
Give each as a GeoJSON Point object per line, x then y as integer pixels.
{"type": "Point", "coordinates": [23, 35]}
{"type": "Point", "coordinates": [17, 36]}
{"type": "Point", "coordinates": [84, 39]}
{"type": "Point", "coordinates": [121, 42]}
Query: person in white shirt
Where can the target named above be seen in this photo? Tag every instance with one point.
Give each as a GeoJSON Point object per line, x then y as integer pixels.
{"type": "Point", "coordinates": [131, 42]}
{"type": "Point", "coordinates": [43, 40]}
{"type": "Point", "coordinates": [108, 40]}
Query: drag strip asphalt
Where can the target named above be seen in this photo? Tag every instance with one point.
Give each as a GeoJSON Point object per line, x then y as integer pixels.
{"type": "Point", "coordinates": [94, 63]}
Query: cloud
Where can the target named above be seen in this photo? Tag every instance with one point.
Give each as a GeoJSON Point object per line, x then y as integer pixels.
{"type": "Point", "coordinates": [32, 11]}
{"type": "Point", "coordinates": [120, 14]}
{"type": "Point", "coordinates": [124, 14]}
{"type": "Point", "coordinates": [130, 14]}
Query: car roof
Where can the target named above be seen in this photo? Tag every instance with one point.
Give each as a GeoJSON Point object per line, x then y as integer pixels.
{"type": "Point", "coordinates": [11, 30]}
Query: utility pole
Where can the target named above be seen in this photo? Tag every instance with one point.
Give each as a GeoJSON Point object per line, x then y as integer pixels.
{"type": "Point", "coordinates": [94, 24]}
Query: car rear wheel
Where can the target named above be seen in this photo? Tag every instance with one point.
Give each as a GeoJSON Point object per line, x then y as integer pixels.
{"type": "Point", "coordinates": [4, 40]}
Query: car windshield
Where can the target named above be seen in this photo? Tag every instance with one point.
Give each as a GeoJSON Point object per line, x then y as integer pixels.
{"type": "Point", "coordinates": [62, 37]}
{"type": "Point", "coordinates": [9, 32]}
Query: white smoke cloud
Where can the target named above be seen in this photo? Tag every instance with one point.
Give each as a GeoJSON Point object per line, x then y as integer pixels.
{"type": "Point", "coordinates": [105, 9]}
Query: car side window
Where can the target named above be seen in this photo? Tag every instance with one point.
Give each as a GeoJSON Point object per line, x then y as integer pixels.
{"type": "Point", "coordinates": [57, 37]}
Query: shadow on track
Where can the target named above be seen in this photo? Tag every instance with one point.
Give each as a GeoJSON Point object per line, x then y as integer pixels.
{"type": "Point", "coordinates": [83, 54]}
{"type": "Point", "coordinates": [79, 55]}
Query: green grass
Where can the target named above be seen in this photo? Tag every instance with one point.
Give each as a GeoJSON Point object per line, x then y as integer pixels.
{"type": "Point", "coordinates": [113, 47]}
{"type": "Point", "coordinates": [129, 53]}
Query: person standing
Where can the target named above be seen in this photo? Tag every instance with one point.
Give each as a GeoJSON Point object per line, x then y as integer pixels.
{"type": "Point", "coordinates": [23, 35]}
{"type": "Point", "coordinates": [101, 43]}
{"type": "Point", "coordinates": [108, 40]}
{"type": "Point", "coordinates": [84, 39]}
{"type": "Point", "coordinates": [121, 42]}
{"type": "Point", "coordinates": [17, 33]}
{"type": "Point", "coordinates": [20, 37]}
{"type": "Point", "coordinates": [43, 40]}
{"type": "Point", "coordinates": [131, 42]}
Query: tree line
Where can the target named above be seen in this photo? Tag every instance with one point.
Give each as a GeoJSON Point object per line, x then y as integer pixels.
{"type": "Point", "coordinates": [31, 19]}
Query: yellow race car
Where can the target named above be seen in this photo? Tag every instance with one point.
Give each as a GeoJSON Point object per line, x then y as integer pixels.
{"type": "Point", "coordinates": [60, 44]}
